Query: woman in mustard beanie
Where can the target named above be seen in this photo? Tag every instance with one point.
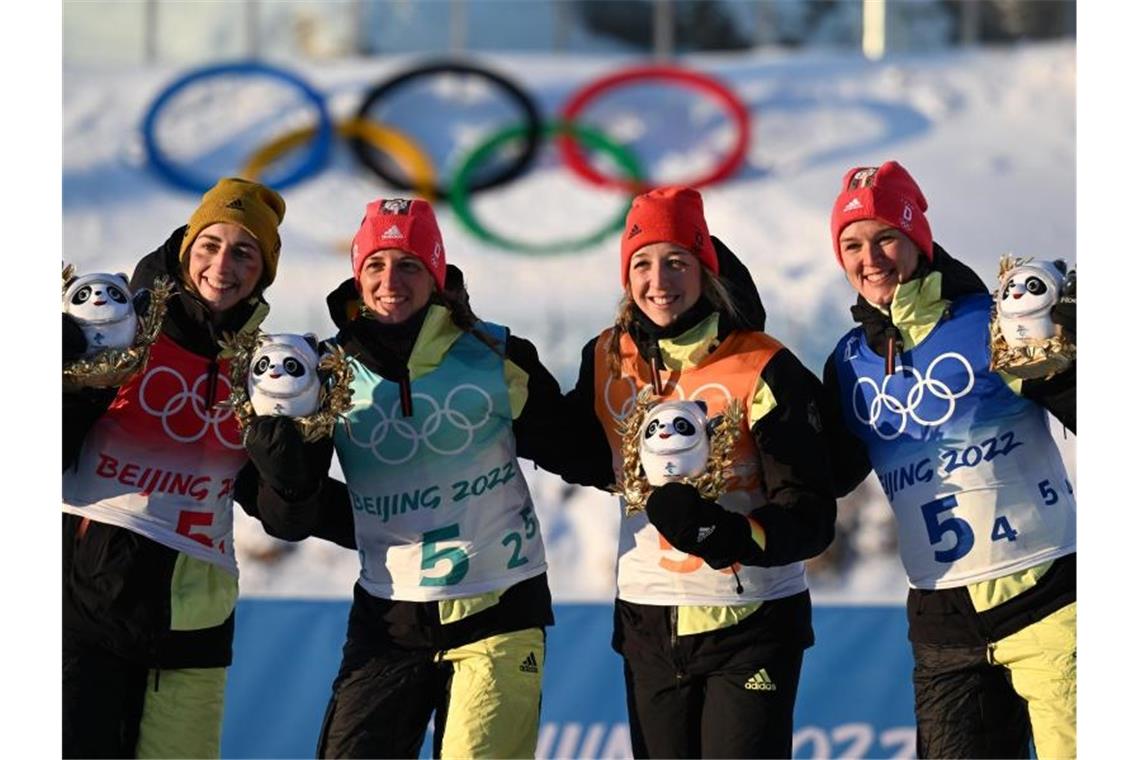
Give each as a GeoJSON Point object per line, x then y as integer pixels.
{"type": "Point", "coordinates": [150, 473]}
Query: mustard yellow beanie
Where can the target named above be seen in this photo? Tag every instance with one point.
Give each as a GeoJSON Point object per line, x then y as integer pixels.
{"type": "Point", "coordinates": [254, 207]}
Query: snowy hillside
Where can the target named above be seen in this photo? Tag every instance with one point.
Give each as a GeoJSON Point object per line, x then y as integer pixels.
{"type": "Point", "coordinates": [988, 134]}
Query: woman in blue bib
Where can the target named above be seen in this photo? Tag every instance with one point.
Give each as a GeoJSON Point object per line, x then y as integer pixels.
{"type": "Point", "coordinates": [986, 516]}
{"type": "Point", "coordinates": [452, 600]}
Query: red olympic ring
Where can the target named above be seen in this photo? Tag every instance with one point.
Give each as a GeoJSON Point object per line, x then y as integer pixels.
{"type": "Point", "coordinates": [576, 159]}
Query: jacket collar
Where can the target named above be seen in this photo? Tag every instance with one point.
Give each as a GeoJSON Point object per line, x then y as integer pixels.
{"type": "Point", "coordinates": [404, 351]}
{"type": "Point", "coordinates": [919, 304]}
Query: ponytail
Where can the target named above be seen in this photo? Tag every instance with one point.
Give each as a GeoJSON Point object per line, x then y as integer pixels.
{"type": "Point", "coordinates": [455, 298]}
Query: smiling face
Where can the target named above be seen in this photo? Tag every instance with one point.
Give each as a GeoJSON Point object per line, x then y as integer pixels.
{"type": "Point", "coordinates": [225, 265]}
{"type": "Point", "coordinates": [394, 284]}
{"type": "Point", "coordinates": [877, 258]}
{"type": "Point", "coordinates": [664, 281]}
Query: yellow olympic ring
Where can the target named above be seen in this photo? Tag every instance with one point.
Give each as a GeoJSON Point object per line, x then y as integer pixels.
{"type": "Point", "coordinates": [409, 154]}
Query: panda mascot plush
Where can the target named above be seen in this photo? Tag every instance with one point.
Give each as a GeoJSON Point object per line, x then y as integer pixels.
{"type": "Point", "coordinates": [283, 376]}
{"type": "Point", "coordinates": [1026, 295]}
{"type": "Point", "coordinates": [101, 305]}
{"type": "Point", "coordinates": [118, 327]}
{"type": "Point", "coordinates": [670, 441]}
{"type": "Point", "coordinates": [674, 441]}
{"type": "Point", "coordinates": [1024, 339]}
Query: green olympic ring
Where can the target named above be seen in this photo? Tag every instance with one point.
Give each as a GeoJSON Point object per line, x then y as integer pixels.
{"type": "Point", "coordinates": [461, 195]}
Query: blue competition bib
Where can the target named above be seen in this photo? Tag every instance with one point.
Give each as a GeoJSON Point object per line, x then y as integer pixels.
{"type": "Point", "coordinates": [973, 476]}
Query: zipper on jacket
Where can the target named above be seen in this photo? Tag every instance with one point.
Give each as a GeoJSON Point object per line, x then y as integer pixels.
{"type": "Point", "coordinates": [156, 672]}
{"type": "Point", "coordinates": [739, 585]}
{"type": "Point", "coordinates": [677, 674]}
{"type": "Point", "coordinates": [211, 381]}
{"type": "Point", "coordinates": [211, 369]}
{"type": "Point", "coordinates": [405, 396]}
{"type": "Point", "coordinates": [655, 375]}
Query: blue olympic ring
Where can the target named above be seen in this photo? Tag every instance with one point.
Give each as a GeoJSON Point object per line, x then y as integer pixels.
{"type": "Point", "coordinates": [314, 159]}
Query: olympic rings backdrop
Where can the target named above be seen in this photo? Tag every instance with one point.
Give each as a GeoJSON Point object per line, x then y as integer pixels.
{"type": "Point", "coordinates": [504, 154]}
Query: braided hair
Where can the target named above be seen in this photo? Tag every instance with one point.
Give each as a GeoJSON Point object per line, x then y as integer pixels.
{"type": "Point", "coordinates": [455, 298]}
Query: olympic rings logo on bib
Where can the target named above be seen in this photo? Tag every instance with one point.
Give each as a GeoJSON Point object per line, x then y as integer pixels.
{"type": "Point", "coordinates": [926, 399]}
{"type": "Point", "coordinates": [627, 401]}
{"type": "Point", "coordinates": [445, 430]}
{"type": "Point", "coordinates": [400, 160]}
{"type": "Point", "coordinates": [183, 413]}
{"type": "Point", "coordinates": [627, 395]}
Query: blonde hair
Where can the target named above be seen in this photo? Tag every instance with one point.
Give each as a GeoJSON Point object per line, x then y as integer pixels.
{"type": "Point", "coordinates": [713, 290]}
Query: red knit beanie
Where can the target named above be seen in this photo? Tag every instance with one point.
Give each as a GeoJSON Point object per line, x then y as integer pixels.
{"type": "Point", "coordinates": [673, 214]}
{"type": "Point", "coordinates": [407, 225]}
{"type": "Point", "coordinates": [887, 193]}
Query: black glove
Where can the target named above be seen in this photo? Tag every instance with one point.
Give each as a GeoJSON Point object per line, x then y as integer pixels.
{"type": "Point", "coordinates": [295, 469]}
{"type": "Point", "coordinates": [74, 341]}
{"type": "Point", "coordinates": [1064, 312]}
{"type": "Point", "coordinates": [701, 527]}
{"type": "Point", "coordinates": [141, 303]}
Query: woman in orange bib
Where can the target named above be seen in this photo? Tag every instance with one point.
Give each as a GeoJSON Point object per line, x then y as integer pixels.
{"type": "Point", "coordinates": [713, 612]}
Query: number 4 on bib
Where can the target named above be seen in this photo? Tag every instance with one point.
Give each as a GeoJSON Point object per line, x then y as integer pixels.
{"type": "Point", "coordinates": [1002, 529]}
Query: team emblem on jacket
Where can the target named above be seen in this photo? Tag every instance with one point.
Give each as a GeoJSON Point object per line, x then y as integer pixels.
{"type": "Point", "coordinates": [674, 441]}
{"type": "Point", "coordinates": [101, 304]}
{"type": "Point", "coordinates": [283, 376]}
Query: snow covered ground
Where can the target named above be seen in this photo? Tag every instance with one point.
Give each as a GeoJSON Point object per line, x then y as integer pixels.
{"type": "Point", "coordinates": [989, 134]}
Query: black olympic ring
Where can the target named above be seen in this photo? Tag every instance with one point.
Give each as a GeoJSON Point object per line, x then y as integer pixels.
{"type": "Point", "coordinates": [531, 125]}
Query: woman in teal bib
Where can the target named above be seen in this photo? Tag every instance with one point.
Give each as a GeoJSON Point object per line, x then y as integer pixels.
{"type": "Point", "coordinates": [452, 600]}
